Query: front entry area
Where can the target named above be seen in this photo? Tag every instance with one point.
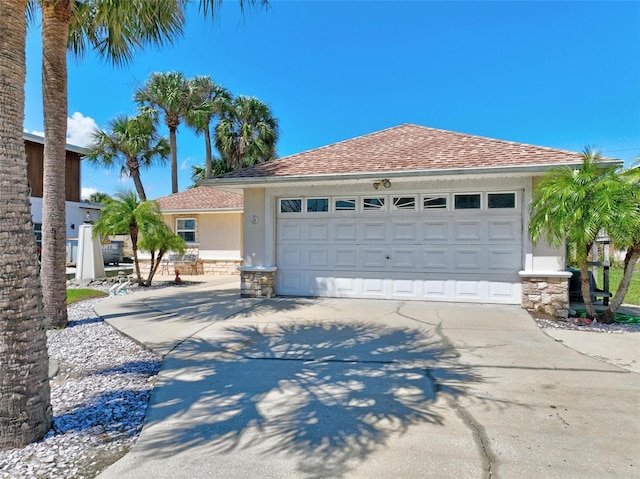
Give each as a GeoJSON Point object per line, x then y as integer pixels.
{"type": "Point", "coordinates": [452, 246]}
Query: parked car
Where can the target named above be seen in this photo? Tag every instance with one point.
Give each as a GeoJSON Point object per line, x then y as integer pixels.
{"type": "Point", "coordinates": [112, 252]}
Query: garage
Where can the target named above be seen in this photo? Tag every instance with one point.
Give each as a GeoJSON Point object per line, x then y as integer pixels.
{"type": "Point", "coordinates": [438, 246]}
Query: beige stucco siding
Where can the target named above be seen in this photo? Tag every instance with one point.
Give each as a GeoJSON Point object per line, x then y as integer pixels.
{"type": "Point", "coordinates": [254, 227]}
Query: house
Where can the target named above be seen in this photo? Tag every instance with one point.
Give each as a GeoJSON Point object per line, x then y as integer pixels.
{"type": "Point", "coordinates": [76, 209]}
{"type": "Point", "coordinates": [408, 213]}
{"type": "Point", "coordinates": [210, 221]}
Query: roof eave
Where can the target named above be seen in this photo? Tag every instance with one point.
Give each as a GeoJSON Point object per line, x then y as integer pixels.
{"type": "Point", "coordinates": [233, 184]}
{"type": "Point", "coordinates": [200, 211]}
{"type": "Point", "coordinates": [39, 139]}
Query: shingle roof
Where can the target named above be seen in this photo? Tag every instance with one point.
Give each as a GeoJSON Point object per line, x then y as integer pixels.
{"type": "Point", "coordinates": [408, 148]}
{"type": "Point", "coordinates": [201, 198]}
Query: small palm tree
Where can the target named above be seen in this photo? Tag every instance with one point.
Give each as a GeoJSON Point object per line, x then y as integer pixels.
{"type": "Point", "coordinates": [126, 214]}
{"type": "Point", "coordinates": [208, 101]}
{"type": "Point", "coordinates": [199, 172]}
{"type": "Point", "coordinates": [131, 144]}
{"type": "Point", "coordinates": [158, 239]}
{"type": "Point", "coordinates": [573, 206]}
{"type": "Point", "coordinates": [625, 233]}
{"type": "Point", "coordinates": [169, 94]}
{"type": "Point", "coordinates": [247, 133]}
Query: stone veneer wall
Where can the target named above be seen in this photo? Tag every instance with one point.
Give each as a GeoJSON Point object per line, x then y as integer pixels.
{"type": "Point", "coordinates": [549, 296]}
{"type": "Point", "coordinates": [212, 267]}
{"type": "Point", "coordinates": [257, 284]}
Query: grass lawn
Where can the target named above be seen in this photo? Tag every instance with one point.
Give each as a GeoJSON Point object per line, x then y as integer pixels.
{"type": "Point", "coordinates": [75, 295]}
{"type": "Point", "coordinates": [615, 275]}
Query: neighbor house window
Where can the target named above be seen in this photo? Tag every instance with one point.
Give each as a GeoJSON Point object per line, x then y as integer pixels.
{"type": "Point", "coordinates": [434, 202]}
{"type": "Point", "coordinates": [293, 205]}
{"type": "Point", "coordinates": [501, 200]}
{"type": "Point", "coordinates": [404, 202]}
{"type": "Point", "coordinates": [467, 202]}
{"type": "Point", "coordinates": [369, 204]}
{"type": "Point", "coordinates": [37, 229]}
{"type": "Point", "coordinates": [317, 205]}
{"type": "Point", "coordinates": [186, 229]}
{"type": "Point", "coordinates": [344, 204]}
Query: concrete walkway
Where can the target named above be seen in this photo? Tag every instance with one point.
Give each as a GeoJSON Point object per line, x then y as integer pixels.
{"type": "Point", "coordinates": [321, 388]}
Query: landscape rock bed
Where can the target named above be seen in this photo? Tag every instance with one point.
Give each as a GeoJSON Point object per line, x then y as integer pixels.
{"type": "Point", "coordinates": [99, 399]}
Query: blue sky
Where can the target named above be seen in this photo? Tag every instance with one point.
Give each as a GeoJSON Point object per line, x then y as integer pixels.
{"type": "Point", "coordinates": [558, 74]}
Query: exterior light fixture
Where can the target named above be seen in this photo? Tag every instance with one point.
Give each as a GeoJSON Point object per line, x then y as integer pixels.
{"type": "Point", "coordinates": [386, 183]}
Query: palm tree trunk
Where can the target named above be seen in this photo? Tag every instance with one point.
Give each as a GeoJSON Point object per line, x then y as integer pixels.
{"type": "Point", "coordinates": [133, 233]}
{"type": "Point", "coordinates": [134, 172]}
{"type": "Point", "coordinates": [55, 28]}
{"type": "Point", "coordinates": [208, 157]}
{"type": "Point", "coordinates": [174, 159]}
{"type": "Point", "coordinates": [630, 260]}
{"type": "Point", "coordinates": [585, 288]}
{"type": "Point", "coordinates": [25, 409]}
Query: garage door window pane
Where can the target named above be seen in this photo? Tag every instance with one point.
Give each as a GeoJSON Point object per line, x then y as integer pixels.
{"type": "Point", "coordinates": [373, 203]}
{"type": "Point", "coordinates": [467, 202]}
{"type": "Point", "coordinates": [502, 200]}
{"type": "Point", "coordinates": [434, 202]}
{"type": "Point", "coordinates": [404, 202]}
{"type": "Point", "coordinates": [315, 205]}
{"type": "Point", "coordinates": [291, 206]}
{"type": "Point", "coordinates": [186, 229]}
{"type": "Point", "coordinates": [345, 204]}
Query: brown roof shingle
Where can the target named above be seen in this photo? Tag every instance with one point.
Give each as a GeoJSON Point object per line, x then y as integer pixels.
{"type": "Point", "coordinates": [201, 198]}
{"type": "Point", "coordinates": [408, 148]}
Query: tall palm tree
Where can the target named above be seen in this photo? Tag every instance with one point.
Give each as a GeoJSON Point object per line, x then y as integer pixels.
{"type": "Point", "coordinates": [209, 100]}
{"type": "Point", "coordinates": [115, 31]}
{"type": "Point", "coordinates": [167, 93]}
{"type": "Point", "coordinates": [247, 133]}
{"type": "Point", "coordinates": [25, 408]}
{"type": "Point", "coordinates": [131, 144]}
{"type": "Point", "coordinates": [115, 34]}
{"type": "Point", "coordinates": [573, 206]}
{"type": "Point", "coordinates": [99, 197]}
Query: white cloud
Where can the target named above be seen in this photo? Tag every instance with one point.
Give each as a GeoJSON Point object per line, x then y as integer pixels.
{"type": "Point", "coordinates": [79, 129]}
{"type": "Point", "coordinates": [86, 192]}
{"type": "Point", "coordinates": [37, 133]}
{"type": "Point", "coordinates": [184, 165]}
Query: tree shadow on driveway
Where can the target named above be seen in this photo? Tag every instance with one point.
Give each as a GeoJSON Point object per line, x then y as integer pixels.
{"type": "Point", "coordinates": [326, 395]}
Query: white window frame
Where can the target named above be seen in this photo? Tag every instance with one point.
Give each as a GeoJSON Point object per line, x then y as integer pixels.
{"type": "Point", "coordinates": [344, 198]}
{"type": "Point", "coordinates": [515, 200]}
{"type": "Point", "coordinates": [371, 197]}
{"type": "Point", "coordinates": [416, 199]}
{"type": "Point", "coordinates": [468, 193]}
{"type": "Point", "coordinates": [296, 198]}
{"type": "Point", "coordinates": [188, 230]}
{"type": "Point", "coordinates": [433, 196]}
{"type": "Point", "coordinates": [306, 204]}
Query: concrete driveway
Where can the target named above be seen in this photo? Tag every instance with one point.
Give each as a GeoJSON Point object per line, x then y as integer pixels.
{"type": "Point", "coordinates": [339, 388]}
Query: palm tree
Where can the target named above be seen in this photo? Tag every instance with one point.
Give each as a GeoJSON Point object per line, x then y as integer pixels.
{"type": "Point", "coordinates": [25, 408]}
{"type": "Point", "coordinates": [208, 100]}
{"type": "Point", "coordinates": [573, 206]}
{"type": "Point", "coordinates": [131, 144]}
{"type": "Point", "coordinates": [625, 233]}
{"type": "Point", "coordinates": [126, 213]}
{"type": "Point", "coordinates": [115, 31]}
{"type": "Point", "coordinates": [115, 34]}
{"type": "Point", "coordinates": [99, 197]}
{"type": "Point", "coordinates": [218, 167]}
{"type": "Point", "coordinates": [167, 93]}
{"type": "Point", "coordinates": [158, 239]}
{"type": "Point", "coordinates": [247, 133]}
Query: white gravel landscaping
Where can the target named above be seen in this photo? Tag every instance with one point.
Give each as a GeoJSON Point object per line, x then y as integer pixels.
{"type": "Point", "coordinates": [99, 399]}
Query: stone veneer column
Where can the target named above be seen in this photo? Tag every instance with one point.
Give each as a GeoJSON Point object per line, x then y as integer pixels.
{"type": "Point", "coordinates": [546, 293]}
{"type": "Point", "coordinates": [257, 282]}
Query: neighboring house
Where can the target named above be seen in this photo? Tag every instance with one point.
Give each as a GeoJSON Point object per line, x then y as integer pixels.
{"type": "Point", "coordinates": [76, 210]}
{"type": "Point", "coordinates": [409, 213]}
{"type": "Point", "coordinates": [210, 221]}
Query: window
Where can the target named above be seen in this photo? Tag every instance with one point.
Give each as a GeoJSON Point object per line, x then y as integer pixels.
{"type": "Point", "coordinates": [373, 203]}
{"type": "Point", "coordinates": [315, 205]}
{"type": "Point", "coordinates": [291, 205]}
{"type": "Point", "coordinates": [37, 229]}
{"type": "Point", "coordinates": [404, 202]}
{"type": "Point", "coordinates": [344, 204]}
{"type": "Point", "coordinates": [186, 229]}
{"type": "Point", "coordinates": [434, 202]}
{"type": "Point", "coordinates": [467, 202]}
{"type": "Point", "coordinates": [501, 200]}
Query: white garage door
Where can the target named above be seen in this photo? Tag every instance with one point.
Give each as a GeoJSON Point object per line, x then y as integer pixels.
{"type": "Point", "coordinates": [446, 247]}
